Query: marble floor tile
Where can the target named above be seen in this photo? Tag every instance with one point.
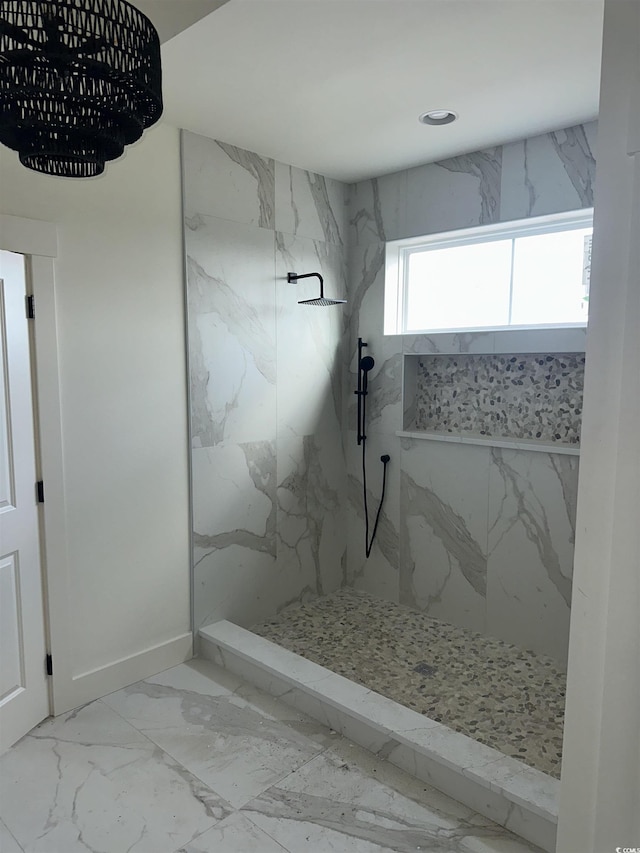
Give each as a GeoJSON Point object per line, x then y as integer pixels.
{"type": "Point", "coordinates": [348, 800]}
{"type": "Point", "coordinates": [8, 844]}
{"type": "Point", "coordinates": [233, 744]}
{"type": "Point", "coordinates": [235, 834]}
{"type": "Point", "coordinates": [89, 781]}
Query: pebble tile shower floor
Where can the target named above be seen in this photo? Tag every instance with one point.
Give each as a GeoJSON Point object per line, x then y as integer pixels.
{"type": "Point", "coordinates": [496, 693]}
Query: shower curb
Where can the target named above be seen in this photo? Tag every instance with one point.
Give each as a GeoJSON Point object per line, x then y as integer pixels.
{"type": "Point", "coordinates": [518, 797]}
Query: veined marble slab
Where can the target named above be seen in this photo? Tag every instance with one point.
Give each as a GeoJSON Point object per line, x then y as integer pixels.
{"type": "Point", "coordinates": [443, 531]}
{"type": "Point", "coordinates": [569, 339]}
{"type": "Point", "coordinates": [232, 331]}
{"type": "Point", "coordinates": [549, 173]}
{"type": "Point", "coordinates": [456, 193]}
{"type": "Point", "coordinates": [309, 338]}
{"type": "Point", "coordinates": [379, 573]}
{"type": "Point", "coordinates": [377, 209]}
{"type": "Point", "coordinates": [532, 512]}
{"type": "Point", "coordinates": [228, 182]}
{"type": "Point", "coordinates": [310, 205]}
{"type": "Point", "coordinates": [311, 533]}
{"type": "Point", "coordinates": [504, 790]}
{"type": "Point", "coordinates": [235, 568]}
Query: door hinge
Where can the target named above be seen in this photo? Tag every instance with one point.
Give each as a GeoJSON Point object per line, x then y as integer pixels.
{"type": "Point", "coordinates": [30, 302]}
{"type": "Point", "coordinates": [40, 491]}
{"type": "Point", "coordinates": [49, 664]}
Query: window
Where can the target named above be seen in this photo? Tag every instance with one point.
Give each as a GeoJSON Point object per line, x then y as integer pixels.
{"type": "Point", "coordinates": [533, 273]}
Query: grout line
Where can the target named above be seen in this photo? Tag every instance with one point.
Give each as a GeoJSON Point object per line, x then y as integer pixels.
{"type": "Point", "coordinates": [228, 805]}
{"type": "Point", "coordinates": [171, 756]}
{"type": "Point", "coordinates": [12, 835]}
{"type": "Point", "coordinates": [253, 823]}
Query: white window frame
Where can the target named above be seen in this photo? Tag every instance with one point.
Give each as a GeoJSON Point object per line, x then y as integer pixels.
{"type": "Point", "coordinates": [398, 251]}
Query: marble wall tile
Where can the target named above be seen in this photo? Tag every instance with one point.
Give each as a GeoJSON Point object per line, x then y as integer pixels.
{"type": "Point", "coordinates": [379, 574]}
{"type": "Point", "coordinates": [384, 401]}
{"type": "Point", "coordinates": [225, 181]}
{"type": "Point", "coordinates": [297, 546]}
{"type": "Point", "coordinates": [235, 513]}
{"type": "Point", "coordinates": [366, 292]}
{"type": "Point", "coordinates": [532, 510]}
{"type": "Point", "coordinates": [480, 342]}
{"type": "Point", "coordinates": [232, 331]}
{"type": "Point", "coordinates": [377, 209]}
{"type": "Point", "coordinates": [542, 340]}
{"type": "Point", "coordinates": [549, 173]}
{"type": "Point", "coordinates": [248, 473]}
{"type": "Point", "coordinates": [443, 531]}
{"type": "Point", "coordinates": [310, 338]}
{"type": "Point", "coordinates": [236, 583]}
{"type": "Point", "coordinates": [266, 380]}
{"type": "Point", "coordinates": [455, 193]}
{"type": "Point", "coordinates": [326, 493]}
{"type": "Point", "coordinates": [311, 538]}
{"type": "Point", "coordinates": [517, 340]}
{"type": "Point", "coordinates": [310, 205]}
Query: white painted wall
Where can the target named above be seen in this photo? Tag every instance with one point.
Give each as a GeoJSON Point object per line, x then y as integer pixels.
{"type": "Point", "coordinates": [119, 306]}
{"type": "Point", "coordinates": [600, 791]}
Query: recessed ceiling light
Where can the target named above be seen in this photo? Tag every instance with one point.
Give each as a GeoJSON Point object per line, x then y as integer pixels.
{"type": "Point", "coordinates": [438, 117]}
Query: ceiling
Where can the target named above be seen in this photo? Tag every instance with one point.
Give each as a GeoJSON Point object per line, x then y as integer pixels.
{"type": "Point", "coordinates": [336, 86]}
{"type": "Point", "coordinates": [171, 17]}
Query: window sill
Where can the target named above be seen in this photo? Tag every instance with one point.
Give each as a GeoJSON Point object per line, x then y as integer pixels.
{"type": "Point", "coordinates": [492, 441]}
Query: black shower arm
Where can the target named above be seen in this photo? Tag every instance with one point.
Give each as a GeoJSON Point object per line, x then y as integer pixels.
{"type": "Point", "coordinates": [293, 277]}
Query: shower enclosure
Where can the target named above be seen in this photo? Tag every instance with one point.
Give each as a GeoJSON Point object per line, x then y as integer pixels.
{"type": "Point", "coordinates": [466, 587]}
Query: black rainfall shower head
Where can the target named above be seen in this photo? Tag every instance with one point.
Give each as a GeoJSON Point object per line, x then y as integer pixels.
{"type": "Point", "coordinates": [320, 300]}
{"type": "Point", "coordinates": [366, 363]}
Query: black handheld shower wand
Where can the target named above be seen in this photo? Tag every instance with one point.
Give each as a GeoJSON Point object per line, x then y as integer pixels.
{"type": "Point", "coordinates": [365, 364]}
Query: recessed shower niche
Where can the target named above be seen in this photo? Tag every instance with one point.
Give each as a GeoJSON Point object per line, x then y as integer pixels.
{"type": "Point", "coordinates": [534, 399]}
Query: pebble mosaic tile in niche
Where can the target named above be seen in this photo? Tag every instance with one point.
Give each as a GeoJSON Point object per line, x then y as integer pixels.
{"type": "Point", "coordinates": [528, 396]}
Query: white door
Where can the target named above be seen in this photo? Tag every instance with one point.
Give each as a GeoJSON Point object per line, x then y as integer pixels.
{"type": "Point", "coordinates": [24, 699]}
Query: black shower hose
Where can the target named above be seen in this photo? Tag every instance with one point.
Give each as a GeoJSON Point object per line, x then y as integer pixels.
{"type": "Point", "coordinates": [368, 543]}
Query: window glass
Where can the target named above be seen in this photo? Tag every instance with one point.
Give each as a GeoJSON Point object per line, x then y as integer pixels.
{"type": "Point", "coordinates": [459, 286]}
{"type": "Point", "coordinates": [548, 278]}
{"type": "Point", "coordinates": [527, 274]}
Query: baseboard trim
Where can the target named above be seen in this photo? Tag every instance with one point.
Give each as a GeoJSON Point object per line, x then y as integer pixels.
{"type": "Point", "coordinates": [114, 676]}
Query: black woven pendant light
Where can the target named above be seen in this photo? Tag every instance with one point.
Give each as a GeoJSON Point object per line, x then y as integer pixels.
{"type": "Point", "coordinates": [79, 80]}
